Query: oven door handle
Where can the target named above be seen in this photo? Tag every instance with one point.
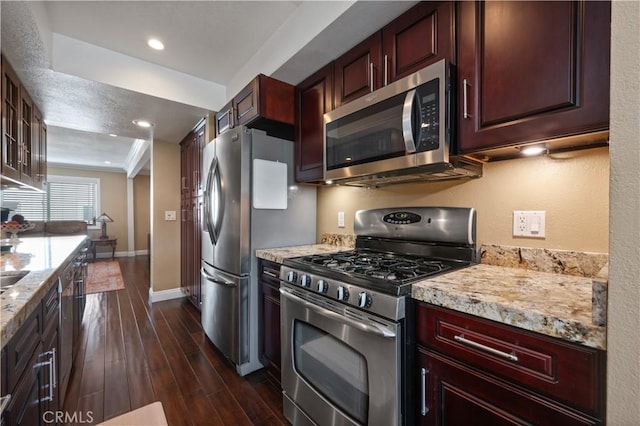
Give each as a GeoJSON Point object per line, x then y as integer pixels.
{"type": "Point", "coordinates": [364, 326]}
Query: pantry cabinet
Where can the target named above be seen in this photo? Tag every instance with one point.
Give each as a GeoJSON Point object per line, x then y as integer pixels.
{"type": "Point", "coordinates": [265, 103]}
{"type": "Point", "coordinates": [471, 368]}
{"type": "Point", "coordinates": [314, 97]}
{"type": "Point", "coordinates": [530, 71]}
{"type": "Point", "coordinates": [23, 133]}
{"type": "Point", "coordinates": [419, 37]}
{"type": "Point", "coordinates": [191, 212]}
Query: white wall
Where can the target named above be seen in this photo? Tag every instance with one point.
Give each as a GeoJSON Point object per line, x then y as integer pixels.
{"type": "Point", "coordinates": [623, 330]}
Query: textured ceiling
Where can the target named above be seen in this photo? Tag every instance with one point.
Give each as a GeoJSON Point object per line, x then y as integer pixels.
{"type": "Point", "coordinates": [87, 66]}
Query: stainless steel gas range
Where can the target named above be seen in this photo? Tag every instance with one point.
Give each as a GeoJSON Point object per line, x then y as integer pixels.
{"type": "Point", "coordinates": [347, 317]}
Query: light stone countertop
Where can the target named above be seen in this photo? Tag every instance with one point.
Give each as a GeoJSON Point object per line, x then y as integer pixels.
{"type": "Point", "coordinates": [552, 304]}
{"type": "Point", "coordinates": [548, 303]}
{"type": "Point", "coordinates": [280, 253]}
{"type": "Point", "coordinates": [43, 258]}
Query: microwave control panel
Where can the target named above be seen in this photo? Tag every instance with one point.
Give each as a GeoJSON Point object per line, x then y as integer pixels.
{"type": "Point", "coordinates": [427, 116]}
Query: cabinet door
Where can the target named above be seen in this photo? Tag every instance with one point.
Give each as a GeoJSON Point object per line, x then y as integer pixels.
{"type": "Point", "coordinates": [246, 103]}
{"type": "Point", "coordinates": [11, 149]}
{"type": "Point", "coordinates": [39, 150]}
{"type": "Point", "coordinates": [423, 35]}
{"type": "Point", "coordinates": [453, 394]}
{"type": "Point", "coordinates": [358, 71]}
{"type": "Point", "coordinates": [26, 138]}
{"type": "Point", "coordinates": [185, 230]}
{"type": "Point", "coordinates": [25, 407]}
{"type": "Point", "coordinates": [270, 354]}
{"type": "Point", "coordinates": [314, 97]}
{"type": "Point", "coordinates": [196, 291]}
{"type": "Point", "coordinates": [224, 118]}
{"type": "Point", "coordinates": [531, 71]}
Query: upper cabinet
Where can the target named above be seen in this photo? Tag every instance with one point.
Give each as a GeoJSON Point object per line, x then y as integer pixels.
{"type": "Point", "coordinates": [421, 36]}
{"type": "Point", "coordinates": [265, 103]}
{"type": "Point", "coordinates": [314, 97]}
{"type": "Point", "coordinates": [23, 134]}
{"type": "Point", "coordinates": [531, 71]}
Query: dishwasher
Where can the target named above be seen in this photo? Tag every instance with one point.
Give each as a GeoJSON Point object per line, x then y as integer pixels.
{"type": "Point", "coordinates": [66, 327]}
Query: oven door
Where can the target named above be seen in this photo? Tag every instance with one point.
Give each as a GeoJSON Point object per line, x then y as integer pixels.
{"type": "Point", "coordinates": [340, 366]}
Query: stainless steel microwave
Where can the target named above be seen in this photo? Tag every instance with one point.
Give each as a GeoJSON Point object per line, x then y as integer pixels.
{"type": "Point", "coordinates": [398, 133]}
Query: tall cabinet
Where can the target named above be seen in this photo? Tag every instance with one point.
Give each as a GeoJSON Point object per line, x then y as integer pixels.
{"type": "Point", "coordinates": [191, 211]}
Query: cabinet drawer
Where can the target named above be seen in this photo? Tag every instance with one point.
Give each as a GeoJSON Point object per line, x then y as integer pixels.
{"type": "Point", "coordinates": [50, 306]}
{"type": "Point", "coordinates": [20, 348]}
{"type": "Point", "coordinates": [570, 372]}
{"type": "Point", "coordinates": [270, 272]}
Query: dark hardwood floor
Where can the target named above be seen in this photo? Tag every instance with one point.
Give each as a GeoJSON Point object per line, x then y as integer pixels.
{"type": "Point", "coordinates": [132, 354]}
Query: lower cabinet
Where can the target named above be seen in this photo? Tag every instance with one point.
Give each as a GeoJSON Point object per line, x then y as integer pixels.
{"type": "Point", "coordinates": [475, 371]}
{"type": "Point", "coordinates": [269, 314]}
{"type": "Point", "coordinates": [30, 367]}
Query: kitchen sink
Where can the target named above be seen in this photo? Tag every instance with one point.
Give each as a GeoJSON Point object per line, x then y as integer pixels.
{"type": "Point", "coordinates": [8, 279]}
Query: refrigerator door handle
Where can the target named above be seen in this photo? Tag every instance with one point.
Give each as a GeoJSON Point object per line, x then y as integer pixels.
{"type": "Point", "coordinates": [217, 280]}
{"type": "Point", "coordinates": [213, 193]}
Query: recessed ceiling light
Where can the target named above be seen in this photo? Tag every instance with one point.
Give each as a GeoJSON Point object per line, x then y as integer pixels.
{"type": "Point", "coordinates": [107, 162]}
{"type": "Point", "coordinates": [113, 135]}
{"type": "Point", "coordinates": [156, 44]}
{"type": "Point", "coordinates": [142, 123]}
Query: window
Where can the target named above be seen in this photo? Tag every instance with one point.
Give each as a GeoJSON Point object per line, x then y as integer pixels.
{"type": "Point", "coordinates": [65, 198]}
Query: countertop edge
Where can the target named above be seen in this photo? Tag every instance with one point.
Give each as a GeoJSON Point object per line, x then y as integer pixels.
{"type": "Point", "coordinates": [19, 312]}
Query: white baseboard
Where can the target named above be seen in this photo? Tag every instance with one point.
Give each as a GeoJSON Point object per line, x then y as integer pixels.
{"type": "Point", "coordinates": [159, 296]}
{"type": "Point", "coordinates": [141, 253]}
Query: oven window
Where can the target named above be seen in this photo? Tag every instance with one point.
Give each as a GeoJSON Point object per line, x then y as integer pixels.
{"type": "Point", "coordinates": [334, 369]}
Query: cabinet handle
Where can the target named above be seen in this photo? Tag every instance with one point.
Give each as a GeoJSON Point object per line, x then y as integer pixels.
{"type": "Point", "coordinates": [386, 69]}
{"type": "Point", "coordinates": [511, 357]}
{"type": "Point", "coordinates": [371, 75]}
{"type": "Point", "coordinates": [269, 273]}
{"type": "Point", "coordinates": [423, 381]}
{"type": "Point", "coordinates": [51, 363]}
{"type": "Point", "coordinates": [465, 100]}
{"type": "Point", "coordinates": [4, 403]}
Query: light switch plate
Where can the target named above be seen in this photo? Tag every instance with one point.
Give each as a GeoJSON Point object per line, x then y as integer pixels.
{"type": "Point", "coordinates": [169, 215]}
{"type": "Point", "coordinates": [529, 223]}
{"type": "Point", "coordinates": [340, 219]}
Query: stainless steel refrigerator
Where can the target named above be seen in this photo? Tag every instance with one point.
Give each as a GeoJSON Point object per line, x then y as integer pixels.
{"type": "Point", "coordinates": [250, 202]}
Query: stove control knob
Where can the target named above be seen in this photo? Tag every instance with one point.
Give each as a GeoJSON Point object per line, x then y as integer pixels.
{"type": "Point", "coordinates": [343, 294]}
{"type": "Point", "coordinates": [305, 281]}
{"type": "Point", "coordinates": [292, 276]}
{"type": "Point", "coordinates": [322, 286]}
{"type": "Point", "coordinates": [364, 300]}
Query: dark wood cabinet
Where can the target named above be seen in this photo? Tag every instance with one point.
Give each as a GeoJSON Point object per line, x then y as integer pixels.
{"type": "Point", "coordinates": [531, 71]}
{"type": "Point", "coordinates": [423, 35]}
{"type": "Point", "coordinates": [265, 103]}
{"type": "Point", "coordinates": [30, 368]}
{"type": "Point", "coordinates": [190, 211]}
{"type": "Point", "coordinates": [23, 133]}
{"type": "Point", "coordinates": [11, 105]}
{"type": "Point", "coordinates": [269, 313]}
{"type": "Point", "coordinates": [471, 368]}
{"type": "Point", "coordinates": [419, 37]}
{"type": "Point", "coordinates": [357, 72]}
{"type": "Point", "coordinates": [314, 97]}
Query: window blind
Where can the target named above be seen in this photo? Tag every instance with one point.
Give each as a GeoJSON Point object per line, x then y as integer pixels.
{"type": "Point", "coordinates": [66, 198]}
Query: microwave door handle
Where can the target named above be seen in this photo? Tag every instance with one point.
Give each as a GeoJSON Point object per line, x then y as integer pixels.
{"type": "Point", "coordinates": [407, 127]}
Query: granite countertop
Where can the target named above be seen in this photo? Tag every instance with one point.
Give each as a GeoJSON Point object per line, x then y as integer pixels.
{"type": "Point", "coordinates": [42, 257]}
{"type": "Point", "coordinates": [552, 304]}
{"type": "Point", "coordinates": [549, 292]}
{"type": "Point", "coordinates": [280, 253]}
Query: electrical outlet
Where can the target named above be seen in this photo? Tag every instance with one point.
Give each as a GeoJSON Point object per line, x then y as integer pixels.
{"type": "Point", "coordinates": [170, 215]}
{"type": "Point", "coordinates": [340, 219]}
{"type": "Point", "coordinates": [529, 223]}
